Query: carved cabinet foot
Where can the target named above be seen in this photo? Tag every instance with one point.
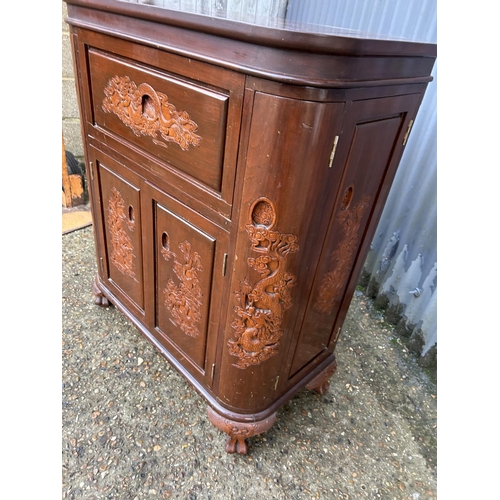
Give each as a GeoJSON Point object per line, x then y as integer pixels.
{"type": "Point", "coordinates": [99, 298]}
{"type": "Point", "coordinates": [238, 432]}
{"type": "Point", "coordinates": [321, 383]}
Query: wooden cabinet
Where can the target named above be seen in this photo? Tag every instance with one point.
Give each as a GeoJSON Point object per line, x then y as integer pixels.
{"type": "Point", "coordinates": [237, 175]}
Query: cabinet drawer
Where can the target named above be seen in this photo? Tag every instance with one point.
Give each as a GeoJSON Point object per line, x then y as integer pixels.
{"type": "Point", "coordinates": [179, 122]}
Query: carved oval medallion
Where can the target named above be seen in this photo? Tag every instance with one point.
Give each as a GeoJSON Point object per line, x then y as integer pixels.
{"type": "Point", "coordinates": [263, 213]}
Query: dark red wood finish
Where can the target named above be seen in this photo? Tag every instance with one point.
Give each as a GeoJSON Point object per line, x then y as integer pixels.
{"type": "Point", "coordinates": [237, 175]}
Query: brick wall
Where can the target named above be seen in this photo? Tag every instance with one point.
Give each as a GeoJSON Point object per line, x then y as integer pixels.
{"type": "Point", "coordinates": [70, 113]}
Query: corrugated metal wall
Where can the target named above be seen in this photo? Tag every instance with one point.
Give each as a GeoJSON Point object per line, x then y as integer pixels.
{"type": "Point", "coordinates": [266, 12]}
{"type": "Point", "coordinates": [401, 269]}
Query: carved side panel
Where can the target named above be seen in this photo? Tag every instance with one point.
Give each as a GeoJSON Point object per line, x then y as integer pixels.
{"type": "Point", "coordinates": [148, 112]}
{"type": "Point", "coordinates": [184, 301]}
{"type": "Point", "coordinates": [261, 305]}
{"type": "Point", "coordinates": [332, 284]}
{"type": "Point", "coordinates": [368, 150]}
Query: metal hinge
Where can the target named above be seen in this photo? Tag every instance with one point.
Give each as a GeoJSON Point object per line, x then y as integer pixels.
{"type": "Point", "coordinates": [91, 167]}
{"type": "Point", "coordinates": [410, 125]}
{"type": "Point", "coordinates": [276, 383]}
{"type": "Point", "coordinates": [224, 264]}
{"type": "Point", "coordinates": [332, 154]}
{"type": "Point", "coordinates": [213, 372]}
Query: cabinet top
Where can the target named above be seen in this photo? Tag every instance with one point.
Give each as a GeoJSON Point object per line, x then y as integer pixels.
{"type": "Point", "coordinates": [221, 39]}
{"type": "Point", "coordinates": [273, 30]}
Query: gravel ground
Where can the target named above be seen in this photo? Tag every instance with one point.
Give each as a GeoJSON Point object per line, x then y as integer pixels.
{"type": "Point", "coordinates": [133, 428]}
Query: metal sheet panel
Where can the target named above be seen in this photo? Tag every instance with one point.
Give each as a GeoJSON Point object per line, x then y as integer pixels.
{"type": "Point", "coordinates": [401, 268]}
{"type": "Point", "coordinates": [266, 12]}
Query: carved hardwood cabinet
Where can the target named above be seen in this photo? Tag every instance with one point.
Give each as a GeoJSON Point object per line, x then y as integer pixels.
{"type": "Point", "coordinates": [237, 174]}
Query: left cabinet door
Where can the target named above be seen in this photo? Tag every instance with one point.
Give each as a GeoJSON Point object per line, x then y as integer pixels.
{"type": "Point", "coordinates": [117, 211]}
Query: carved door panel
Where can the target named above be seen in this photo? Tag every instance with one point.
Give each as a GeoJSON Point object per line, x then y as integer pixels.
{"type": "Point", "coordinates": [370, 148]}
{"type": "Point", "coordinates": [283, 216]}
{"type": "Point", "coordinates": [118, 228]}
{"type": "Point", "coordinates": [188, 259]}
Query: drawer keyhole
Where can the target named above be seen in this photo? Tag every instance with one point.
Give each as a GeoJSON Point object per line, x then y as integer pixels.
{"type": "Point", "coordinates": [148, 107]}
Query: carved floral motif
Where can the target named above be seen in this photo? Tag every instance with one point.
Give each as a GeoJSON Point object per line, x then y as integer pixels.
{"type": "Point", "coordinates": [148, 112]}
{"type": "Point", "coordinates": [260, 306]}
{"type": "Point", "coordinates": [184, 301]}
{"type": "Point", "coordinates": [342, 258]}
{"type": "Point", "coordinates": [122, 255]}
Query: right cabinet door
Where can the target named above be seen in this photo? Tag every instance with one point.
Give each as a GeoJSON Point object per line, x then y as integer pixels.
{"type": "Point", "coordinates": [370, 149]}
{"type": "Point", "coordinates": [186, 265]}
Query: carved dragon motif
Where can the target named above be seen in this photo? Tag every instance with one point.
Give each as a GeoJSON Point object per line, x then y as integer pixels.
{"type": "Point", "coordinates": [261, 306]}
{"type": "Point", "coordinates": [148, 112]}
{"type": "Point", "coordinates": [184, 301]}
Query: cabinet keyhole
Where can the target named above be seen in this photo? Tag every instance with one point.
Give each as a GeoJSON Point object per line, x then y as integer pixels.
{"type": "Point", "coordinates": [164, 241]}
{"type": "Point", "coordinates": [347, 198]}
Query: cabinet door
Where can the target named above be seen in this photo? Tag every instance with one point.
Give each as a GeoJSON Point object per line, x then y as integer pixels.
{"type": "Point", "coordinates": [370, 149]}
{"type": "Point", "coordinates": [284, 214]}
{"type": "Point", "coordinates": [187, 262]}
{"type": "Point", "coordinates": [118, 225]}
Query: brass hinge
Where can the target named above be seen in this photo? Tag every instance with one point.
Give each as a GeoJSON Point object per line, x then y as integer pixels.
{"type": "Point", "coordinates": [332, 154]}
{"type": "Point", "coordinates": [410, 125]}
{"type": "Point", "coordinates": [224, 265]}
{"type": "Point", "coordinates": [213, 372]}
{"type": "Point", "coordinates": [276, 383]}
{"type": "Point", "coordinates": [91, 167]}
{"type": "Point", "coordinates": [101, 262]}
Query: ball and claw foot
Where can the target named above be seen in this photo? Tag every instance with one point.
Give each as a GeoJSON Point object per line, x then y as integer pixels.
{"type": "Point", "coordinates": [321, 383]}
{"type": "Point", "coordinates": [238, 432]}
{"type": "Point", "coordinates": [99, 298]}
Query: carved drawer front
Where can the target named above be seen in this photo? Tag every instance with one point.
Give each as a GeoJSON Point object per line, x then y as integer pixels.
{"type": "Point", "coordinates": [119, 228]}
{"type": "Point", "coordinates": [176, 120]}
{"type": "Point", "coordinates": [369, 161]}
{"type": "Point", "coordinates": [189, 253]}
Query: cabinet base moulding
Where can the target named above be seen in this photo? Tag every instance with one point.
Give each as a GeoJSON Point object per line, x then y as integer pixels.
{"type": "Point", "coordinates": [238, 432]}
